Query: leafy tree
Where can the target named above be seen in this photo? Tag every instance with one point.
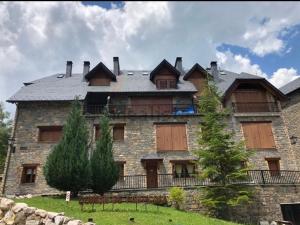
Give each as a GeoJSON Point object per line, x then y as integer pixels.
{"type": "Point", "coordinates": [220, 157]}
{"type": "Point", "coordinates": [5, 129]}
{"type": "Point", "coordinates": [67, 166]}
{"type": "Point", "coordinates": [104, 171]}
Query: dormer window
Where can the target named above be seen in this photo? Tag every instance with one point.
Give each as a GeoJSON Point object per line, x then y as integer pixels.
{"type": "Point", "coordinates": [100, 76]}
{"type": "Point", "coordinates": [166, 84]}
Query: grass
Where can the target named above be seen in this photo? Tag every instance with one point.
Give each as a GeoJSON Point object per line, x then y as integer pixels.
{"type": "Point", "coordinates": [122, 213]}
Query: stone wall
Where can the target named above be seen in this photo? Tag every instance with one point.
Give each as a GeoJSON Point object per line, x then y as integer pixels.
{"type": "Point", "coordinates": [22, 214]}
{"type": "Point", "coordinates": [291, 113]}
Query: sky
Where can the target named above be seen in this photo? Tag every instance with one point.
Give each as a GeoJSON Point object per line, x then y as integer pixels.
{"type": "Point", "coordinates": [37, 38]}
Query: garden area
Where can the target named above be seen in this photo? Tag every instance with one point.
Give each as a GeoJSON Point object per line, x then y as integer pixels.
{"type": "Point", "coordinates": [120, 214]}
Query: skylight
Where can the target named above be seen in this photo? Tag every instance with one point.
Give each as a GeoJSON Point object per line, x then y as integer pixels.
{"type": "Point", "coordinates": [145, 74]}
{"type": "Point", "coordinates": [60, 75]}
{"type": "Point", "coordinates": [130, 73]}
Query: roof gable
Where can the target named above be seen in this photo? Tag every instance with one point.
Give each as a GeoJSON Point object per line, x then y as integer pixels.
{"type": "Point", "coordinates": [262, 81]}
{"type": "Point", "coordinates": [167, 65]}
{"type": "Point", "coordinates": [100, 67]}
{"type": "Point", "coordinates": [196, 67]}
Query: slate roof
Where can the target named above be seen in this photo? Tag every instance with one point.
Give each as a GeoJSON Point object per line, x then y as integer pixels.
{"type": "Point", "coordinates": [53, 88]}
{"type": "Point", "coordinates": [291, 86]}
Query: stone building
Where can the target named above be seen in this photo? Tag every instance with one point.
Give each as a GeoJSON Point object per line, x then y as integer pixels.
{"type": "Point", "coordinates": [291, 112]}
{"type": "Point", "coordinates": [154, 122]}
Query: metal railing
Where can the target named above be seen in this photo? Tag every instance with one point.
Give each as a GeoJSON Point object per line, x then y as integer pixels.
{"type": "Point", "coordinates": [142, 110]}
{"type": "Point", "coordinates": [260, 177]}
{"type": "Point", "coordinates": [244, 107]}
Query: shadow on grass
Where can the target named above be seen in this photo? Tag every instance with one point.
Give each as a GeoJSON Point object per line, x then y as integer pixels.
{"type": "Point", "coordinates": [146, 211]}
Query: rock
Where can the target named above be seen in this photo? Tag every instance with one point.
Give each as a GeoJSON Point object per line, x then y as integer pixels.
{"type": "Point", "coordinates": [66, 220]}
{"type": "Point", "coordinates": [51, 215]}
{"type": "Point", "coordinates": [59, 220]}
{"type": "Point", "coordinates": [89, 223]}
{"type": "Point", "coordinates": [9, 217]}
{"type": "Point", "coordinates": [19, 207]}
{"type": "Point", "coordinates": [29, 196]}
{"type": "Point", "coordinates": [20, 218]}
{"type": "Point", "coordinates": [74, 222]}
{"type": "Point", "coordinates": [1, 214]}
{"type": "Point", "coordinates": [49, 222]}
{"type": "Point", "coordinates": [29, 210]}
{"type": "Point", "coordinates": [32, 222]}
{"type": "Point", "coordinates": [6, 204]}
{"type": "Point", "coordinates": [40, 212]}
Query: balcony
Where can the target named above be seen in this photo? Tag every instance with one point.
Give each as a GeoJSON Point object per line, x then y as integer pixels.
{"type": "Point", "coordinates": [254, 177]}
{"type": "Point", "coordinates": [255, 107]}
{"type": "Point", "coordinates": [143, 110]}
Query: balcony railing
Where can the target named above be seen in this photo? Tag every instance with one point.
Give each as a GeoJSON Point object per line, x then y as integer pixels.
{"type": "Point", "coordinates": [260, 177]}
{"type": "Point", "coordinates": [142, 110]}
{"type": "Point", "coordinates": [245, 107]}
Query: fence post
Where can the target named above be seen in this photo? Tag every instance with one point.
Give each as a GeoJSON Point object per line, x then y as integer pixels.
{"type": "Point", "coordinates": [262, 176]}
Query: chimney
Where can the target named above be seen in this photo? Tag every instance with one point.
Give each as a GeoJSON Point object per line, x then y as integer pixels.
{"type": "Point", "coordinates": [214, 69]}
{"type": "Point", "coordinates": [116, 66]}
{"type": "Point", "coordinates": [178, 64]}
{"type": "Point", "coordinates": [86, 67]}
{"type": "Point", "coordinates": [69, 69]}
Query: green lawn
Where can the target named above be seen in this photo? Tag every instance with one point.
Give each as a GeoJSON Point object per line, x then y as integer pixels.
{"type": "Point", "coordinates": [122, 213]}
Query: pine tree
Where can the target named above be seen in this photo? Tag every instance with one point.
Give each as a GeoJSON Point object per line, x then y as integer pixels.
{"type": "Point", "coordinates": [220, 157]}
{"type": "Point", "coordinates": [104, 171]}
{"type": "Point", "coordinates": [5, 128]}
{"type": "Point", "coordinates": [67, 166]}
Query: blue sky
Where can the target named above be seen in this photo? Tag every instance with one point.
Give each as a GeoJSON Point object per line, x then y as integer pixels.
{"type": "Point", "coordinates": [37, 39]}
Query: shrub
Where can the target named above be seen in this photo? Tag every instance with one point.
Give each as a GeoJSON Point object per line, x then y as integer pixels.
{"type": "Point", "coordinates": [176, 197]}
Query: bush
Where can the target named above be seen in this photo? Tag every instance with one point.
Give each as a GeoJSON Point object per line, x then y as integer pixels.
{"type": "Point", "coordinates": [176, 197]}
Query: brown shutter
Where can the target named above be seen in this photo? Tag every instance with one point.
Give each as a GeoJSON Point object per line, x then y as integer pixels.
{"type": "Point", "coordinates": [258, 135]}
{"type": "Point", "coordinates": [164, 137]}
{"type": "Point", "coordinates": [179, 140]}
{"type": "Point", "coordinates": [50, 134]}
{"type": "Point", "coordinates": [118, 132]}
{"type": "Point", "coordinates": [266, 135]}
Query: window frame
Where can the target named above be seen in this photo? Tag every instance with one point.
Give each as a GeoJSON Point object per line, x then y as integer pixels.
{"type": "Point", "coordinates": [48, 128]}
{"type": "Point", "coordinates": [118, 126]}
{"type": "Point", "coordinates": [184, 167]}
{"type": "Point", "coordinates": [32, 176]}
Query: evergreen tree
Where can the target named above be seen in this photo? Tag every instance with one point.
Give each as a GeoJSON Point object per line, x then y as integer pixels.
{"type": "Point", "coordinates": [104, 171]}
{"type": "Point", "coordinates": [67, 166]}
{"type": "Point", "coordinates": [5, 129]}
{"type": "Point", "coordinates": [220, 157]}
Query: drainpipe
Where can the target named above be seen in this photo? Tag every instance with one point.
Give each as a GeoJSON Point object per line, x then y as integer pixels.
{"type": "Point", "coordinates": [9, 151]}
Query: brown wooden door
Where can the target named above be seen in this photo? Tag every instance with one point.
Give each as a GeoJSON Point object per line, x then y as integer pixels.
{"type": "Point", "coordinates": [274, 166]}
{"type": "Point", "coordinates": [151, 168]}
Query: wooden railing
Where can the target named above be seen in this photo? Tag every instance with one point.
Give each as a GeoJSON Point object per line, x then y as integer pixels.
{"type": "Point", "coordinates": [142, 110]}
{"type": "Point", "coordinates": [260, 177]}
{"type": "Point", "coordinates": [244, 107]}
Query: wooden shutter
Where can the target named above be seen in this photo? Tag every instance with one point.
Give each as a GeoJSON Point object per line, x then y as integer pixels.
{"type": "Point", "coordinates": [258, 135]}
{"type": "Point", "coordinates": [171, 137]}
{"type": "Point", "coordinates": [179, 140]}
{"type": "Point", "coordinates": [164, 137]}
{"type": "Point", "coordinates": [50, 134]}
{"type": "Point", "coordinates": [118, 132]}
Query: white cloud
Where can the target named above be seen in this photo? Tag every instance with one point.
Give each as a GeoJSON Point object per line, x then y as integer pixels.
{"type": "Point", "coordinates": [36, 39]}
{"type": "Point", "coordinates": [239, 63]}
{"type": "Point", "coordinates": [283, 76]}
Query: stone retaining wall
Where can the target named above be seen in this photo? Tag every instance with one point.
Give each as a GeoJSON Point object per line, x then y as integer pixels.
{"type": "Point", "coordinates": [12, 213]}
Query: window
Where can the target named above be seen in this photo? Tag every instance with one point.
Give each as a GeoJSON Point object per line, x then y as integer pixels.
{"type": "Point", "coordinates": [274, 166]}
{"type": "Point", "coordinates": [258, 135]}
{"type": "Point", "coordinates": [97, 132]}
{"type": "Point", "coordinates": [29, 174]}
{"type": "Point", "coordinates": [118, 132]}
{"type": "Point", "coordinates": [165, 84]}
{"type": "Point", "coordinates": [121, 170]}
{"type": "Point", "coordinates": [183, 170]}
{"type": "Point", "coordinates": [171, 137]}
{"type": "Point", "coordinates": [50, 133]}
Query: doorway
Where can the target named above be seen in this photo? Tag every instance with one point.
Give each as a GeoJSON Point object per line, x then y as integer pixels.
{"type": "Point", "coordinates": [291, 212]}
{"type": "Point", "coordinates": [151, 168]}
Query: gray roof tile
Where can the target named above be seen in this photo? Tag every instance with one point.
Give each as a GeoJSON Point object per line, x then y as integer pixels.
{"type": "Point", "coordinates": [291, 86]}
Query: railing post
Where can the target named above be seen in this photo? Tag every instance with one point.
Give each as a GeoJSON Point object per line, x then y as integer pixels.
{"type": "Point", "coordinates": [262, 176]}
